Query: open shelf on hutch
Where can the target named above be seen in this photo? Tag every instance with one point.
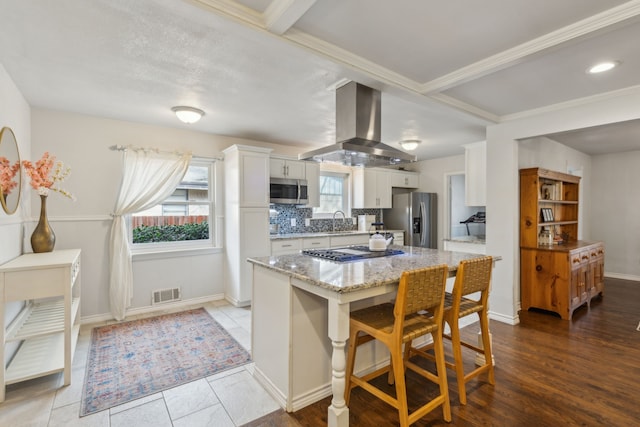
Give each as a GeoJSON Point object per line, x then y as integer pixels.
{"type": "Point", "coordinates": [549, 201]}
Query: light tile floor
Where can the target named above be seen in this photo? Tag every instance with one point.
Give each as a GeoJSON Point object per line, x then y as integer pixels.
{"type": "Point", "coordinates": [228, 399]}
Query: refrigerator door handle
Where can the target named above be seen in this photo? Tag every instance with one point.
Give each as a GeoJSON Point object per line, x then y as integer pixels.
{"type": "Point", "coordinates": [423, 220]}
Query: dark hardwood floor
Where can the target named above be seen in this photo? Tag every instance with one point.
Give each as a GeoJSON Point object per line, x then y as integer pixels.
{"type": "Point", "coordinates": [549, 372]}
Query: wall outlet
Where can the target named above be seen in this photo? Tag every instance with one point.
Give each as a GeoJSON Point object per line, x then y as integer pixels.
{"type": "Point", "coordinates": [307, 222]}
{"type": "Point", "coordinates": [293, 222]}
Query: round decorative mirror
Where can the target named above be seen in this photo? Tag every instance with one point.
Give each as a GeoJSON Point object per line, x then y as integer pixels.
{"type": "Point", "coordinates": [10, 176]}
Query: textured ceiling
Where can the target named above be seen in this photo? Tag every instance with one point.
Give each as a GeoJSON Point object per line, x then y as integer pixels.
{"type": "Point", "coordinates": [266, 70]}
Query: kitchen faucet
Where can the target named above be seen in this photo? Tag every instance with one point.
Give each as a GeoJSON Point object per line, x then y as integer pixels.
{"type": "Point", "coordinates": [344, 218]}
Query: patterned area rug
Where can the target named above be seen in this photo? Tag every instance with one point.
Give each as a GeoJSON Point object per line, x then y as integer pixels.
{"type": "Point", "coordinates": [134, 359]}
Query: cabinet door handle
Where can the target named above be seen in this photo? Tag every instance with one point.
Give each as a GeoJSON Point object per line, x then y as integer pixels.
{"type": "Point", "coordinates": [538, 267]}
{"type": "Point", "coordinates": [286, 246]}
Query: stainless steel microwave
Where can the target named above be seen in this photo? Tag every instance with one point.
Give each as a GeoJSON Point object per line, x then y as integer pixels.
{"type": "Point", "coordinates": [288, 191]}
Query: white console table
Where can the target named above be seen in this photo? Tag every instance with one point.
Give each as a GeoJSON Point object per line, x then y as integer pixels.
{"type": "Point", "coordinates": [49, 323]}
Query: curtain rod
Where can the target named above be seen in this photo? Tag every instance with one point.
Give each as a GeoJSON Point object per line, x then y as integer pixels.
{"type": "Point", "coordinates": [157, 150]}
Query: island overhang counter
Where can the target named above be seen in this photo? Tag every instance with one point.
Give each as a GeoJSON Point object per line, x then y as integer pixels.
{"type": "Point", "coordinates": [300, 320]}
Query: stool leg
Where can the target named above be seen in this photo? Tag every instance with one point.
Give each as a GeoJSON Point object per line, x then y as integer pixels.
{"type": "Point", "coordinates": [351, 357]}
{"type": "Point", "coordinates": [486, 344]}
{"type": "Point", "coordinates": [457, 357]}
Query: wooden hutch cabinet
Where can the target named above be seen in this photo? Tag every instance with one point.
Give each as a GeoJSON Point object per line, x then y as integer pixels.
{"type": "Point", "coordinates": [558, 273]}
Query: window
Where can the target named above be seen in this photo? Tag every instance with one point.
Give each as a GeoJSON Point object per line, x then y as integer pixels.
{"type": "Point", "coordinates": [334, 194]}
{"type": "Point", "coordinates": [183, 218]}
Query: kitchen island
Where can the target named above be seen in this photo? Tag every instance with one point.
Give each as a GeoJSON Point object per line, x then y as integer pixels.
{"type": "Point", "coordinates": [300, 320]}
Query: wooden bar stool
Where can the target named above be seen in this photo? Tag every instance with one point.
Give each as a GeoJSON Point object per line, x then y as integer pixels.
{"type": "Point", "coordinates": [397, 324]}
{"type": "Point", "coordinates": [473, 276]}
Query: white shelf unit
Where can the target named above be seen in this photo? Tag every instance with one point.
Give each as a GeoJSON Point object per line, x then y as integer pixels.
{"type": "Point", "coordinates": [49, 323]}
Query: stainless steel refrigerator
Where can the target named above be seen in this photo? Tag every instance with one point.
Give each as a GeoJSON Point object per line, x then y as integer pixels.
{"type": "Point", "coordinates": [416, 214]}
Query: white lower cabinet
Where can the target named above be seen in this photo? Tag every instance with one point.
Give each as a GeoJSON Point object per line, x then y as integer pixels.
{"type": "Point", "coordinates": [284, 247]}
{"type": "Point", "coordinates": [292, 246]}
{"type": "Point", "coordinates": [49, 323]}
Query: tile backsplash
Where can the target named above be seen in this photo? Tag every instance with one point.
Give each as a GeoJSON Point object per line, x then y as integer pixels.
{"type": "Point", "coordinates": [283, 214]}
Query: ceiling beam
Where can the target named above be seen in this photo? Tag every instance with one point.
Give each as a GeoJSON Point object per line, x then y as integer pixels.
{"type": "Point", "coordinates": [518, 53]}
{"type": "Point", "coordinates": [283, 14]}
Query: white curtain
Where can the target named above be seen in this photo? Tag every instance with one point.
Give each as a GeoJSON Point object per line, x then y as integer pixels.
{"type": "Point", "coordinates": [148, 178]}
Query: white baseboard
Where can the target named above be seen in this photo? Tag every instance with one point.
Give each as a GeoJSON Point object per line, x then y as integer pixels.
{"type": "Point", "coordinates": [271, 388]}
{"type": "Point", "coordinates": [97, 318]}
{"type": "Point", "coordinates": [509, 320]}
{"type": "Point", "coordinates": [622, 276]}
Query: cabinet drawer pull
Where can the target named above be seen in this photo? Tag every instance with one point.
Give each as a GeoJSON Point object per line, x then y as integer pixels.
{"type": "Point", "coordinates": [286, 246]}
{"type": "Point", "coordinates": [538, 267]}
{"type": "Point", "coordinates": [585, 257]}
{"type": "Point", "coordinates": [576, 260]}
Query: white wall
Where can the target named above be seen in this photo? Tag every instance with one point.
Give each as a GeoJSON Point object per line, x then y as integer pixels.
{"type": "Point", "coordinates": [615, 211]}
{"type": "Point", "coordinates": [82, 142]}
{"type": "Point", "coordinates": [15, 114]}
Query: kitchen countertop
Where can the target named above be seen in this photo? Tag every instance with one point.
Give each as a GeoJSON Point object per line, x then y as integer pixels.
{"type": "Point", "coordinates": [344, 277]}
{"type": "Point", "coordinates": [325, 234]}
{"type": "Point", "coordinates": [480, 240]}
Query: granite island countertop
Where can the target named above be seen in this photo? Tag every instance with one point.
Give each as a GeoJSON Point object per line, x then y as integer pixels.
{"type": "Point", "coordinates": [343, 277]}
{"type": "Point", "coordinates": [325, 234]}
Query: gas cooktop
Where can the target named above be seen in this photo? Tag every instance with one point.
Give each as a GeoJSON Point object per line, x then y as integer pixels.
{"type": "Point", "coordinates": [350, 253]}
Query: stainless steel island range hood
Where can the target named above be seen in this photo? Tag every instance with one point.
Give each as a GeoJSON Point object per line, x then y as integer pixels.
{"type": "Point", "coordinates": [358, 132]}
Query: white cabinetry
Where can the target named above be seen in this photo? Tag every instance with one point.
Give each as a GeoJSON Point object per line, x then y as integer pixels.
{"type": "Point", "coordinates": [285, 168]}
{"type": "Point", "coordinates": [286, 246]}
{"type": "Point", "coordinates": [316, 242]}
{"type": "Point", "coordinates": [475, 175]}
{"type": "Point", "coordinates": [371, 188]}
{"type": "Point", "coordinates": [49, 323]}
{"type": "Point", "coordinates": [312, 175]}
{"type": "Point", "coordinates": [246, 174]}
{"type": "Point", "coordinates": [403, 179]}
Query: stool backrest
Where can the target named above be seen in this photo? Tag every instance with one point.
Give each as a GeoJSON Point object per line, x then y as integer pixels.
{"type": "Point", "coordinates": [473, 275]}
{"type": "Point", "coordinates": [421, 289]}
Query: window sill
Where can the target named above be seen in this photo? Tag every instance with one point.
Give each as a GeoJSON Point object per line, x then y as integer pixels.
{"type": "Point", "coordinates": [164, 253]}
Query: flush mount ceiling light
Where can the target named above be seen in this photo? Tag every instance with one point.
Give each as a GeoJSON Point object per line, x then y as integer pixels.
{"type": "Point", "coordinates": [188, 114]}
{"type": "Point", "coordinates": [602, 67]}
{"type": "Point", "coordinates": [410, 144]}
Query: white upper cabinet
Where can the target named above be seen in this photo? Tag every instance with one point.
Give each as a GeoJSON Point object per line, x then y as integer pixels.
{"type": "Point", "coordinates": [475, 176]}
{"type": "Point", "coordinates": [312, 175]}
{"type": "Point", "coordinates": [405, 179]}
{"type": "Point", "coordinates": [371, 188]}
{"type": "Point", "coordinates": [247, 176]}
{"type": "Point", "coordinates": [285, 168]}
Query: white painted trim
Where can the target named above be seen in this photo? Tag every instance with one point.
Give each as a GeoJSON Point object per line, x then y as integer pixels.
{"type": "Point", "coordinates": [631, 90]}
{"type": "Point", "coordinates": [509, 320]}
{"type": "Point", "coordinates": [233, 10]}
{"type": "Point", "coordinates": [516, 54]}
{"type": "Point", "coordinates": [271, 388]}
{"type": "Point", "coordinates": [622, 276]}
{"type": "Point", "coordinates": [174, 253]}
{"type": "Point", "coordinates": [105, 317]}
{"type": "Point", "coordinates": [352, 61]}
{"type": "Point", "coordinates": [463, 106]}
{"type": "Point", "coordinates": [10, 219]}
{"type": "Point", "coordinates": [281, 15]}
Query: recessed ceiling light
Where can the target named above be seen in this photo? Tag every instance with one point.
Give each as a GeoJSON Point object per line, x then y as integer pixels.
{"type": "Point", "coordinates": [188, 114]}
{"type": "Point", "coordinates": [602, 67]}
